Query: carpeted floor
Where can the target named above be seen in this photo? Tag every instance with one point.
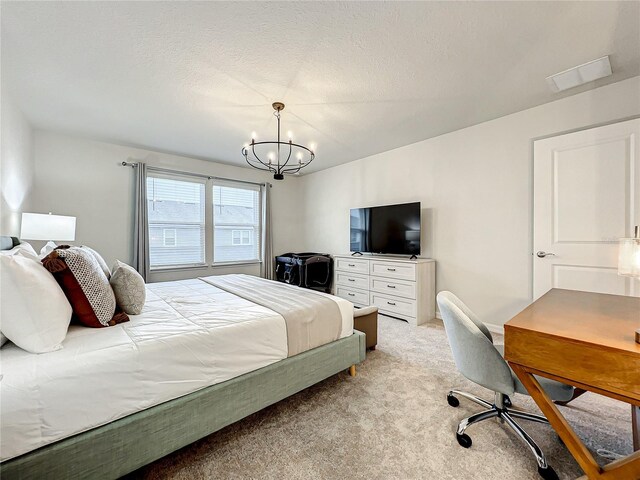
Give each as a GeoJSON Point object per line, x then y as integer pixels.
{"type": "Point", "coordinates": [391, 421]}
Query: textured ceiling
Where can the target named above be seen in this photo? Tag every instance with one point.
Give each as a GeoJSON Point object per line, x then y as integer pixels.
{"type": "Point", "coordinates": [358, 78]}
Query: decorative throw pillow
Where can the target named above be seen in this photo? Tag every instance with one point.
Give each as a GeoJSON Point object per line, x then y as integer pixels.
{"type": "Point", "coordinates": [34, 311]}
{"type": "Point", "coordinates": [51, 246]}
{"type": "Point", "coordinates": [128, 285]}
{"type": "Point", "coordinates": [101, 262]}
{"type": "Point", "coordinates": [85, 285]}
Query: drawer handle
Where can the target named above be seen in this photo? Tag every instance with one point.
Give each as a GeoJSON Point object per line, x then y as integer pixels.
{"type": "Point", "coordinates": [351, 279]}
{"type": "Point", "coordinates": [351, 294]}
{"type": "Point", "coordinates": [391, 286]}
{"type": "Point", "coordinates": [391, 269]}
{"type": "Point", "coordinates": [391, 303]}
{"type": "Point", "coordinates": [351, 264]}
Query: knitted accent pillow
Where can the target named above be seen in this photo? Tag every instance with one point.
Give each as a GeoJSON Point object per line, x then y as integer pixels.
{"type": "Point", "coordinates": [129, 287]}
{"type": "Point", "coordinates": [85, 285]}
{"type": "Point", "coordinates": [101, 262]}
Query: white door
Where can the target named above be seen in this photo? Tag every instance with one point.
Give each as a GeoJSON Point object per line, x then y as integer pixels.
{"type": "Point", "coordinates": [586, 196]}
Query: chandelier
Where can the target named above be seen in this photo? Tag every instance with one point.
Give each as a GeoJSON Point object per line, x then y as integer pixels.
{"type": "Point", "coordinates": [279, 162]}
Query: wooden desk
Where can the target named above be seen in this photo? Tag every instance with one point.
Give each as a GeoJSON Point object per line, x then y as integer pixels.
{"type": "Point", "coordinates": [581, 339]}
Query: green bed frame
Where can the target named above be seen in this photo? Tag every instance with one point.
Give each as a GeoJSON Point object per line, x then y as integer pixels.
{"type": "Point", "coordinates": [124, 445]}
{"type": "Point", "coordinates": [129, 443]}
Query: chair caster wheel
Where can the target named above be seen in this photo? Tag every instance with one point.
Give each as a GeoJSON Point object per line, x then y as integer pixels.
{"type": "Point", "coordinates": [453, 401]}
{"type": "Point", "coordinates": [507, 401]}
{"type": "Point", "coordinates": [547, 473]}
{"type": "Point", "coordinates": [464, 440]}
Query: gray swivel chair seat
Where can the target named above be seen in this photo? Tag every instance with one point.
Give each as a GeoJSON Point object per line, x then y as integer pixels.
{"type": "Point", "coordinates": [482, 362]}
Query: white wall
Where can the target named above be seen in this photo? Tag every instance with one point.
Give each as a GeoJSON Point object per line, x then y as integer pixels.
{"type": "Point", "coordinates": [80, 177]}
{"type": "Point", "coordinates": [16, 166]}
{"type": "Point", "coordinates": [475, 186]}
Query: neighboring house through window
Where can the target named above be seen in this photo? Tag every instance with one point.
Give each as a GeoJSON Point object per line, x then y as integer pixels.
{"type": "Point", "coordinates": [236, 222]}
{"type": "Point", "coordinates": [176, 207]}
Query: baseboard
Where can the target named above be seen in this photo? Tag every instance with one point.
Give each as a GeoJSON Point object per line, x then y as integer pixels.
{"type": "Point", "coordinates": [497, 329]}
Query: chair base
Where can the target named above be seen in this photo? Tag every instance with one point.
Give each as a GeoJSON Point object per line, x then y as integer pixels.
{"type": "Point", "coordinates": [500, 408]}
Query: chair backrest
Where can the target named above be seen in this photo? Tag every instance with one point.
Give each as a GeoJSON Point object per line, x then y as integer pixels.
{"type": "Point", "coordinates": [472, 346]}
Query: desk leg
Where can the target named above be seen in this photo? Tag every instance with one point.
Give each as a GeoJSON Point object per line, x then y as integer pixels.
{"type": "Point", "coordinates": [635, 422]}
{"type": "Point", "coordinates": [626, 468]}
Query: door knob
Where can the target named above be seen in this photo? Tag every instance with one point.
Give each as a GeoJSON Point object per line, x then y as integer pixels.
{"type": "Point", "coordinates": [542, 254]}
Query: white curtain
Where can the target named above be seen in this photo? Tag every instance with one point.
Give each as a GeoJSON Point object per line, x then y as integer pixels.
{"type": "Point", "coordinates": [140, 227]}
{"type": "Point", "coordinates": [266, 268]}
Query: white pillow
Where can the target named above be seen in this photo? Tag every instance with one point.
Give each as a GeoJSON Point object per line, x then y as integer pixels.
{"type": "Point", "coordinates": [34, 311]}
{"type": "Point", "coordinates": [24, 249]}
{"type": "Point", "coordinates": [47, 249]}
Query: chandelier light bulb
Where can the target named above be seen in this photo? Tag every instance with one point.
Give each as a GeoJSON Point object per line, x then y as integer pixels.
{"type": "Point", "coordinates": [290, 134]}
{"type": "Point", "coordinates": [246, 147]}
{"type": "Point", "coordinates": [312, 147]}
{"type": "Point", "coordinates": [253, 136]}
{"type": "Point", "coordinates": [299, 155]}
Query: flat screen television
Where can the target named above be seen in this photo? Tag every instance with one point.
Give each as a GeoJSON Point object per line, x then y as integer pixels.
{"type": "Point", "coordinates": [391, 229]}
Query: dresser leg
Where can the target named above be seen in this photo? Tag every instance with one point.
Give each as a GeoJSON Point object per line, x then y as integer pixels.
{"type": "Point", "coordinates": [352, 370]}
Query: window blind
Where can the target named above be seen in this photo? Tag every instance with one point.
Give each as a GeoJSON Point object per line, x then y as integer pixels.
{"type": "Point", "coordinates": [236, 222]}
{"type": "Point", "coordinates": [176, 221]}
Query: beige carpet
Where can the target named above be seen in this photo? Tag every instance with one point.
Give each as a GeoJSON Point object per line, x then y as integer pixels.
{"type": "Point", "coordinates": [391, 421]}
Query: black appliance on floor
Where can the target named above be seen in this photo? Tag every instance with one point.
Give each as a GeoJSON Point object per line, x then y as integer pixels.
{"type": "Point", "coordinates": [308, 270]}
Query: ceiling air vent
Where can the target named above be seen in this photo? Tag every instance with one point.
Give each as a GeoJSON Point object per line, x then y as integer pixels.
{"type": "Point", "coordinates": [587, 72]}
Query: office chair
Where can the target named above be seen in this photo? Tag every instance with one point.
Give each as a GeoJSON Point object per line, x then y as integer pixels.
{"type": "Point", "coordinates": [482, 362]}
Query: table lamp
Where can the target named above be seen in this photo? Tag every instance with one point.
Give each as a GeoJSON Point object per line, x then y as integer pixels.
{"type": "Point", "coordinates": [39, 226]}
{"type": "Point", "coordinates": [629, 260]}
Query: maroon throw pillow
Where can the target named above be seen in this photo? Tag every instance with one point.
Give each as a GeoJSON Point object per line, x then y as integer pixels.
{"type": "Point", "coordinates": [85, 285]}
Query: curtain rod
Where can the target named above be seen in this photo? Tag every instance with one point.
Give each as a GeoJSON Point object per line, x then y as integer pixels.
{"type": "Point", "coordinates": [179, 172]}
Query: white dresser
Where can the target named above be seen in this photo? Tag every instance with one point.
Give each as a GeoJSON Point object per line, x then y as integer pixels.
{"type": "Point", "coordinates": [399, 287]}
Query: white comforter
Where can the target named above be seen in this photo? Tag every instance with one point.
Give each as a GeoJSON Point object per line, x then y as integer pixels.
{"type": "Point", "coordinates": [190, 335]}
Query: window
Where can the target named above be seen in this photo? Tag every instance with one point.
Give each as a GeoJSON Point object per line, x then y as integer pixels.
{"type": "Point", "coordinates": [169, 237]}
{"type": "Point", "coordinates": [176, 221]}
{"type": "Point", "coordinates": [241, 237]}
{"type": "Point", "coordinates": [236, 222]}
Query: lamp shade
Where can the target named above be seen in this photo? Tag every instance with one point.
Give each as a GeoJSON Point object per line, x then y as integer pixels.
{"type": "Point", "coordinates": [629, 256]}
{"type": "Point", "coordinates": [38, 226]}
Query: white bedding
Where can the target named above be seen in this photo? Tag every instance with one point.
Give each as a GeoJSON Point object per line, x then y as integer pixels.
{"type": "Point", "coordinates": [190, 335]}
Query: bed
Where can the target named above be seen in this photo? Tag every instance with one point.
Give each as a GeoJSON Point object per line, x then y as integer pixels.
{"type": "Point", "coordinates": [197, 359]}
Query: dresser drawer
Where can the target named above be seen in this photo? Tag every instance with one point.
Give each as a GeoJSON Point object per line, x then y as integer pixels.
{"type": "Point", "coordinates": [401, 288]}
{"type": "Point", "coordinates": [352, 265]}
{"type": "Point", "coordinates": [352, 280]}
{"type": "Point", "coordinates": [394, 305]}
{"type": "Point", "coordinates": [359, 297]}
{"type": "Point", "coordinates": [406, 271]}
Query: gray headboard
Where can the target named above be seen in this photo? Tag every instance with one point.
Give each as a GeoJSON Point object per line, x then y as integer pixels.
{"type": "Point", "coordinates": [7, 243]}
